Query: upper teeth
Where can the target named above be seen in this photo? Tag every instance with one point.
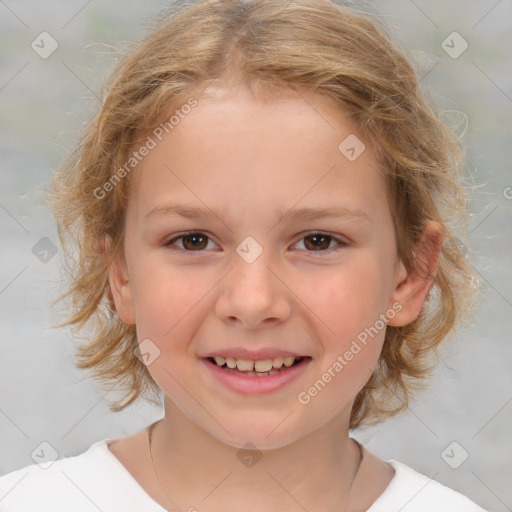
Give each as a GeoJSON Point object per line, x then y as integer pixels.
{"type": "Point", "coordinates": [264, 365]}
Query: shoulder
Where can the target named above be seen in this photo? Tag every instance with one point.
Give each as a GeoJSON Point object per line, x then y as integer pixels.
{"type": "Point", "coordinates": [410, 491]}
{"type": "Point", "coordinates": [64, 483]}
{"type": "Point", "coordinates": [87, 482]}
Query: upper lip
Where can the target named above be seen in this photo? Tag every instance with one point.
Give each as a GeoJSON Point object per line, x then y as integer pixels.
{"type": "Point", "coordinates": [252, 355]}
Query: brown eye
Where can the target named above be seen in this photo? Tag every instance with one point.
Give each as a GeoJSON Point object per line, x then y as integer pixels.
{"type": "Point", "coordinates": [318, 242]}
{"type": "Point", "coordinates": [191, 242]}
{"type": "Point", "coordinates": [198, 242]}
{"type": "Point", "coordinates": [195, 241]}
{"type": "Point", "coordinates": [321, 242]}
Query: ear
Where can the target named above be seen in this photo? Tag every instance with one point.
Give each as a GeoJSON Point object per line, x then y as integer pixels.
{"type": "Point", "coordinates": [412, 287]}
{"type": "Point", "coordinates": [121, 287]}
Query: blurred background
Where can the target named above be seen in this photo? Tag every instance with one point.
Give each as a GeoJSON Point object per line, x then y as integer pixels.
{"type": "Point", "coordinates": [54, 58]}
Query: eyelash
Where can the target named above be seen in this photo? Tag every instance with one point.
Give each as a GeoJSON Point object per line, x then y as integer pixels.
{"type": "Point", "coordinates": [341, 243]}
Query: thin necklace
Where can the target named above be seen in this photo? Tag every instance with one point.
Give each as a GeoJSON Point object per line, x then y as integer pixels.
{"type": "Point", "coordinates": [150, 438]}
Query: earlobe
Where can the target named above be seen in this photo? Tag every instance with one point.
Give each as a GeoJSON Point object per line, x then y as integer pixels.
{"type": "Point", "coordinates": [122, 289]}
{"type": "Point", "coordinates": [414, 285]}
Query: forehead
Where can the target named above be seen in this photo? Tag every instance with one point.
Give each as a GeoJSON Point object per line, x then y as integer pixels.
{"type": "Point", "coordinates": [260, 150]}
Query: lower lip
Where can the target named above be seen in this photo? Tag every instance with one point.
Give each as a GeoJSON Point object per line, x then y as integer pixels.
{"type": "Point", "coordinates": [256, 385]}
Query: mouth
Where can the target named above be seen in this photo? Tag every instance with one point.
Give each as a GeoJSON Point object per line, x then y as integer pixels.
{"type": "Point", "coordinates": [259, 368]}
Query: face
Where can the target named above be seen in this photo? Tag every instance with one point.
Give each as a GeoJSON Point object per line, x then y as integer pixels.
{"type": "Point", "coordinates": [250, 234]}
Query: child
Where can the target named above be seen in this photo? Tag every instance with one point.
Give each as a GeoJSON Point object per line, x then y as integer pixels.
{"type": "Point", "coordinates": [263, 213]}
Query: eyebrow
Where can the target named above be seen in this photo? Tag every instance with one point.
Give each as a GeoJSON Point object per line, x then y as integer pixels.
{"type": "Point", "coordinates": [306, 213]}
{"type": "Point", "coordinates": [327, 212]}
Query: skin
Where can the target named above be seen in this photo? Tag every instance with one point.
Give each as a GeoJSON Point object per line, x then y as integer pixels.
{"type": "Point", "coordinates": [248, 159]}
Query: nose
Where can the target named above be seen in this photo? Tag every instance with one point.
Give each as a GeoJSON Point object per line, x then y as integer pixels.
{"type": "Point", "coordinates": [252, 295]}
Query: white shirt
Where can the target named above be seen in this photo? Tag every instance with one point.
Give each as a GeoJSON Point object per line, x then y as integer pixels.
{"type": "Point", "coordinates": [97, 481]}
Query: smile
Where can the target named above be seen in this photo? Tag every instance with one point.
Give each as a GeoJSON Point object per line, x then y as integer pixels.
{"type": "Point", "coordinates": [256, 377]}
{"type": "Point", "coordinates": [259, 368]}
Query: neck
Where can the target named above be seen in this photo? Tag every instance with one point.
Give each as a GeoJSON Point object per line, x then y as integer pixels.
{"type": "Point", "coordinates": [197, 470]}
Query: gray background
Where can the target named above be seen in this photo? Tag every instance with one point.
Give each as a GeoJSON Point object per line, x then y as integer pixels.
{"type": "Point", "coordinates": [44, 103]}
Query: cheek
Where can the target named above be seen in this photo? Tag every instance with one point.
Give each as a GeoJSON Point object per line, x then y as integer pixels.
{"type": "Point", "coordinates": [347, 306]}
{"type": "Point", "coordinates": [167, 295]}
{"type": "Point", "coordinates": [168, 302]}
{"type": "Point", "coordinates": [348, 299]}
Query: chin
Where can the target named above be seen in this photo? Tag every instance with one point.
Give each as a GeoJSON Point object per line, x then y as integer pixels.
{"type": "Point", "coordinates": [258, 436]}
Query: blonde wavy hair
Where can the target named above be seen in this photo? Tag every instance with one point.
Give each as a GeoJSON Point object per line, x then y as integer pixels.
{"type": "Point", "coordinates": [323, 46]}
